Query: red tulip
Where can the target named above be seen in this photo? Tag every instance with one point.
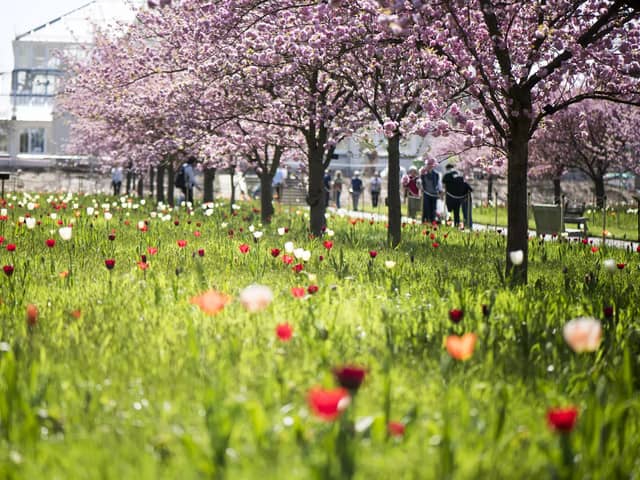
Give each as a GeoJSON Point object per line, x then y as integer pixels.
{"type": "Point", "coordinates": [284, 331]}
{"type": "Point", "coordinates": [297, 292]}
{"type": "Point", "coordinates": [182, 243]}
{"type": "Point", "coordinates": [455, 315]}
{"type": "Point", "coordinates": [373, 253]}
{"type": "Point", "coordinates": [311, 289]}
{"type": "Point", "coordinates": [637, 248]}
{"type": "Point", "coordinates": [50, 242]}
{"type": "Point", "coordinates": [11, 247]}
{"type": "Point", "coordinates": [111, 237]}
{"type": "Point", "coordinates": [395, 429]}
{"type": "Point", "coordinates": [607, 311]}
{"type": "Point", "coordinates": [562, 419]}
{"type": "Point", "coordinates": [2, 241]}
{"type": "Point", "coordinates": [350, 376]}
{"type": "Point", "coordinates": [109, 263]}
{"type": "Point", "coordinates": [8, 270]}
{"type": "Point", "coordinates": [142, 265]}
{"type": "Point", "coordinates": [594, 249]}
{"type": "Point", "coordinates": [298, 267]}
{"type": "Point", "coordinates": [328, 244]}
{"type": "Point", "coordinates": [244, 248]}
{"type": "Point", "coordinates": [435, 244]}
{"type": "Point", "coordinates": [287, 259]}
{"type": "Point", "coordinates": [152, 250]}
{"type": "Point", "coordinates": [328, 404]}
{"type": "Point", "coordinates": [32, 315]}
{"type": "Point", "coordinates": [620, 265]}
{"type": "Point", "coordinates": [275, 252]}
{"type": "Point", "coordinates": [201, 252]}
{"type": "Point", "coordinates": [197, 233]}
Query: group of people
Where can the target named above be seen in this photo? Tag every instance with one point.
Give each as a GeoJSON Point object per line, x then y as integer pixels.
{"type": "Point", "coordinates": [333, 187]}
{"type": "Point", "coordinates": [425, 187]}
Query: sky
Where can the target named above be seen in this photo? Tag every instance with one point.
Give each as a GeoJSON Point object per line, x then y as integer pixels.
{"type": "Point", "coordinates": [19, 16]}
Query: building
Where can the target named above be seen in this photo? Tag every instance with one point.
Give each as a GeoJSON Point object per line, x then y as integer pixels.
{"type": "Point", "coordinates": [30, 135]}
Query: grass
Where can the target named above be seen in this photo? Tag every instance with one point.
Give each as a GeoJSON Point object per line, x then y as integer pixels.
{"type": "Point", "coordinates": [121, 376]}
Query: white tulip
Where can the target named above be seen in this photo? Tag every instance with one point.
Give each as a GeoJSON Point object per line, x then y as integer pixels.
{"type": "Point", "coordinates": [389, 263]}
{"type": "Point", "coordinates": [516, 257]}
{"type": "Point", "coordinates": [288, 247]}
{"type": "Point", "coordinates": [31, 222]}
{"type": "Point", "coordinates": [610, 265]}
{"type": "Point", "coordinates": [281, 231]}
{"type": "Point", "coordinates": [108, 216]}
{"type": "Point", "coordinates": [65, 233]}
{"type": "Point", "coordinates": [583, 334]}
{"type": "Point", "coordinates": [90, 211]}
{"type": "Point", "coordinates": [257, 235]}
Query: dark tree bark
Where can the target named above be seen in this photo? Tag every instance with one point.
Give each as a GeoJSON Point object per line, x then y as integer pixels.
{"type": "Point", "coordinates": [489, 188]}
{"type": "Point", "coordinates": [598, 182]}
{"type": "Point", "coordinates": [393, 191]}
{"type": "Point", "coordinates": [129, 181]}
{"type": "Point", "coordinates": [315, 193]}
{"type": "Point", "coordinates": [140, 186]}
{"type": "Point", "coordinates": [152, 180]}
{"type": "Point", "coordinates": [266, 198]}
{"type": "Point", "coordinates": [160, 183]}
{"type": "Point", "coordinates": [171, 174]}
{"type": "Point", "coordinates": [518, 157]}
{"type": "Point", "coordinates": [557, 191]}
{"type": "Point", "coordinates": [209, 177]}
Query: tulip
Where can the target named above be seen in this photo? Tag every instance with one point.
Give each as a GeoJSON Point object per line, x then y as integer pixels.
{"type": "Point", "coordinates": [32, 315]}
{"type": "Point", "coordinates": [395, 429]}
{"type": "Point", "coordinates": [211, 302]}
{"type": "Point", "coordinates": [328, 244]}
{"type": "Point", "coordinates": [297, 292]}
{"type": "Point", "coordinates": [373, 253]}
{"type": "Point", "coordinates": [455, 315]}
{"type": "Point", "coordinates": [609, 265]}
{"type": "Point", "coordinates": [562, 420]}
{"type": "Point", "coordinates": [11, 247]}
{"type": "Point", "coordinates": [583, 334]}
{"type": "Point", "coordinates": [461, 348]}
{"type": "Point", "coordinates": [50, 242]}
{"type": "Point", "coordinates": [30, 222]}
{"type": "Point", "coordinates": [244, 248]}
{"type": "Point", "coordinates": [256, 297]}
{"type": "Point", "coordinates": [389, 264]}
{"type": "Point", "coordinates": [284, 331]}
{"type": "Point", "coordinates": [8, 270]}
{"type": "Point", "coordinates": [288, 247]}
{"type": "Point", "coordinates": [350, 376]}
{"type": "Point", "coordinates": [607, 311]}
{"type": "Point", "coordinates": [65, 233]}
{"type": "Point", "coordinates": [182, 243]}
{"type": "Point", "coordinates": [328, 404]}
{"type": "Point", "coordinates": [201, 252]}
{"type": "Point", "coordinates": [516, 257]}
{"type": "Point", "coordinates": [311, 289]}
{"type": "Point", "coordinates": [110, 263]}
{"type": "Point", "coordinates": [275, 252]}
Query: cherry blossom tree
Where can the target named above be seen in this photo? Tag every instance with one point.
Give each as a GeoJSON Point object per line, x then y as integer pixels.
{"type": "Point", "coordinates": [594, 137]}
{"type": "Point", "coordinates": [523, 62]}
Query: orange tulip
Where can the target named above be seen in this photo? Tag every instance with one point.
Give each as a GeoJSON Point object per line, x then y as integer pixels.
{"type": "Point", "coordinates": [32, 315]}
{"type": "Point", "coordinates": [211, 302]}
{"type": "Point", "coordinates": [461, 348]}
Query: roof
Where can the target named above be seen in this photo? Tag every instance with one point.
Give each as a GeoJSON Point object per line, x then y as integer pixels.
{"type": "Point", "coordinates": [77, 26]}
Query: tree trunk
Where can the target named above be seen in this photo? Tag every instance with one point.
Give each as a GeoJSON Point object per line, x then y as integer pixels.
{"type": "Point", "coordinates": [209, 177]}
{"type": "Point", "coordinates": [393, 191]}
{"type": "Point", "coordinates": [152, 180]}
{"type": "Point", "coordinates": [599, 184]}
{"type": "Point", "coordinates": [489, 189]}
{"type": "Point", "coordinates": [518, 228]}
{"type": "Point", "coordinates": [171, 174]}
{"type": "Point", "coordinates": [315, 192]}
{"type": "Point", "coordinates": [266, 197]}
{"type": "Point", "coordinates": [557, 191]}
{"type": "Point", "coordinates": [140, 186]}
{"type": "Point", "coordinates": [160, 183]}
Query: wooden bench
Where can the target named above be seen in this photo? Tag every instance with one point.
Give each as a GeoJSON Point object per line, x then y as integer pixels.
{"type": "Point", "coordinates": [294, 195]}
{"type": "Point", "coordinates": [550, 221]}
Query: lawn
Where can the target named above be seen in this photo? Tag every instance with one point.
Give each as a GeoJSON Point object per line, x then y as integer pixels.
{"type": "Point", "coordinates": [133, 350]}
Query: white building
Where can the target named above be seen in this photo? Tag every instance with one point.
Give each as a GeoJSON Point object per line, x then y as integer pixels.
{"type": "Point", "coordinates": [30, 135]}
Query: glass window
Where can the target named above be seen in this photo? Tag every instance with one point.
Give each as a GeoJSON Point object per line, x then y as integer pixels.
{"type": "Point", "coordinates": [4, 140]}
{"type": "Point", "coordinates": [32, 140]}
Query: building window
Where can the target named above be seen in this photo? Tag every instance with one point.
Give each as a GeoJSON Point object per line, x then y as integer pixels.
{"type": "Point", "coordinates": [32, 140]}
{"type": "Point", "coordinates": [4, 137]}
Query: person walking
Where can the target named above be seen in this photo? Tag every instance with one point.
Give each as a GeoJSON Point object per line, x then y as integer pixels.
{"type": "Point", "coordinates": [375, 186]}
{"type": "Point", "coordinates": [338, 181]}
{"type": "Point", "coordinates": [326, 182]}
{"type": "Point", "coordinates": [455, 192]}
{"type": "Point", "coordinates": [186, 180]}
{"type": "Point", "coordinates": [467, 205]}
{"type": "Point", "coordinates": [116, 180]}
{"type": "Point", "coordinates": [430, 184]}
{"type": "Point", "coordinates": [356, 189]}
{"type": "Point", "coordinates": [410, 183]}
